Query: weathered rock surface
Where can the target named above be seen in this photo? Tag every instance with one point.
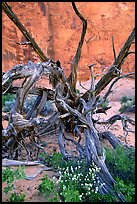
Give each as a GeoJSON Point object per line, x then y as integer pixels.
{"type": "Point", "coordinates": [57, 30]}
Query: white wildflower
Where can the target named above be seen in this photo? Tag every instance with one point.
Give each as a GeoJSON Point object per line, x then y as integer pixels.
{"type": "Point", "coordinates": [64, 187]}
{"type": "Point", "coordinates": [81, 195]}
{"type": "Point", "coordinates": [96, 189]}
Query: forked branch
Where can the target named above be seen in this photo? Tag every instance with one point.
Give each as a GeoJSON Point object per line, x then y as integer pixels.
{"type": "Point", "coordinates": [112, 73]}
{"type": "Point", "coordinates": [73, 76]}
{"type": "Point", "coordinates": [115, 68]}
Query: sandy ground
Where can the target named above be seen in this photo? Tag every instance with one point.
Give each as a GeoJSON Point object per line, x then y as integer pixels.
{"type": "Point", "coordinates": [122, 88]}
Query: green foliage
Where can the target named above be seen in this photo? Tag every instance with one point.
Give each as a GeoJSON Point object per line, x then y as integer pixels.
{"type": "Point", "coordinates": [105, 104]}
{"type": "Point", "coordinates": [77, 183]}
{"type": "Point", "coordinates": [46, 158]}
{"type": "Point", "coordinates": [121, 163]}
{"type": "Point", "coordinates": [8, 188]}
{"type": "Point", "coordinates": [70, 194]}
{"type": "Point", "coordinates": [77, 91]}
{"type": "Point", "coordinates": [14, 197]}
{"type": "Point", "coordinates": [7, 97]}
{"type": "Point", "coordinates": [54, 198]}
{"type": "Point", "coordinates": [126, 103]}
{"type": "Point", "coordinates": [10, 177]}
{"type": "Point", "coordinates": [127, 189]}
{"type": "Point", "coordinates": [7, 101]}
{"type": "Point", "coordinates": [48, 188]}
{"type": "Point", "coordinates": [19, 173]}
{"type": "Point", "coordinates": [124, 99]}
{"type": "Point", "coordinates": [54, 160]}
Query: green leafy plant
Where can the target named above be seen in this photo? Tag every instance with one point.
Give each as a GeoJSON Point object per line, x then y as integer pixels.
{"type": "Point", "coordinates": [126, 103]}
{"type": "Point", "coordinates": [77, 91]}
{"type": "Point", "coordinates": [77, 183]}
{"type": "Point", "coordinates": [10, 177]}
{"type": "Point", "coordinates": [55, 160]}
{"type": "Point", "coordinates": [121, 163]}
{"type": "Point", "coordinates": [14, 197]}
{"type": "Point", "coordinates": [7, 97]}
{"type": "Point", "coordinates": [105, 104]}
{"type": "Point", "coordinates": [8, 101]}
{"type": "Point", "coordinates": [70, 194]}
{"type": "Point", "coordinates": [127, 189]}
{"type": "Point", "coordinates": [48, 189]}
{"type": "Point", "coordinates": [46, 158]}
{"type": "Point", "coordinates": [124, 99]}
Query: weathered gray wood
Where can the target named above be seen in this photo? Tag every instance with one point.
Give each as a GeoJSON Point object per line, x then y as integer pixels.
{"type": "Point", "coordinates": [73, 114]}
{"type": "Point", "coordinates": [114, 141]}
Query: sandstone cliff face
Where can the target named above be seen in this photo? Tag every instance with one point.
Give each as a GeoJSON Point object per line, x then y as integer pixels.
{"type": "Point", "coordinates": [57, 29]}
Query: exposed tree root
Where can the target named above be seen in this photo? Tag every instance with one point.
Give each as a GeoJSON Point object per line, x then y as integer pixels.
{"type": "Point", "coordinates": [73, 118]}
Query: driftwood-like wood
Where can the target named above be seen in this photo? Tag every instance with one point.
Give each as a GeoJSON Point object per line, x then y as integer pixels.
{"type": "Point", "coordinates": [73, 118]}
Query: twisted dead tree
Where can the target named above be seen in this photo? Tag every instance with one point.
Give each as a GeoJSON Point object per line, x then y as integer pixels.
{"type": "Point", "coordinates": [73, 118]}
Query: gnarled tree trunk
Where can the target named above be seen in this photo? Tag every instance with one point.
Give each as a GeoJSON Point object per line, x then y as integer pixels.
{"type": "Point", "coordinates": [74, 112]}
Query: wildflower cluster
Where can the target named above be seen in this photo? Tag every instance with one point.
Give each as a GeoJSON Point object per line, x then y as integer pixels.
{"type": "Point", "coordinates": [84, 182]}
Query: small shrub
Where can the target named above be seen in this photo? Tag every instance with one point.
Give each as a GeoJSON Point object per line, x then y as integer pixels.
{"type": "Point", "coordinates": [7, 97]}
{"type": "Point", "coordinates": [124, 99]}
{"type": "Point", "coordinates": [85, 183]}
{"type": "Point", "coordinates": [128, 190]}
{"type": "Point", "coordinates": [121, 163]}
{"type": "Point", "coordinates": [105, 104]}
{"type": "Point", "coordinates": [46, 158]}
{"type": "Point", "coordinates": [70, 194]}
{"type": "Point", "coordinates": [77, 183]}
{"type": "Point", "coordinates": [54, 160]}
{"type": "Point", "coordinates": [10, 177]}
{"type": "Point", "coordinates": [48, 189]}
{"type": "Point", "coordinates": [126, 103]}
{"type": "Point", "coordinates": [8, 100]}
{"type": "Point", "coordinates": [14, 197]}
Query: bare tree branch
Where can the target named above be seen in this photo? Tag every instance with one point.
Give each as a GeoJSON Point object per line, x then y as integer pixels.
{"type": "Point", "coordinates": [114, 52]}
{"type": "Point", "coordinates": [112, 84]}
{"type": "Point", "coordinates": [105, 80]}
{"type": "Point", "coordinates": [73, 76]}
{"type": "Point", "coordinates": [7, 9]}
{"type": "Point", "coordinates": [114, 69]}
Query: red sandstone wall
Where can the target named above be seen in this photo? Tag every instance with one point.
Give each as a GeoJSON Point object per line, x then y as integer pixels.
{"type": "Point", "coordinates": [57, 29]}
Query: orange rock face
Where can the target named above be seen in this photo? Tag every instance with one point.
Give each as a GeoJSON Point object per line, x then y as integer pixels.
{"type": "Point", "coordinates": [57, 30]}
